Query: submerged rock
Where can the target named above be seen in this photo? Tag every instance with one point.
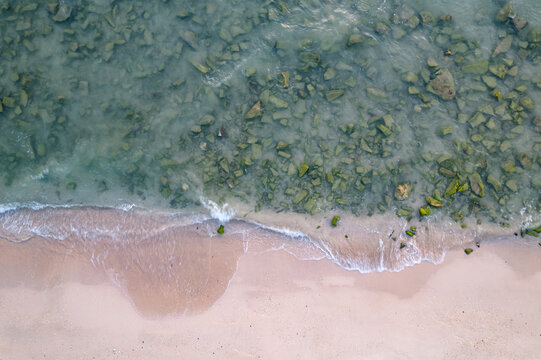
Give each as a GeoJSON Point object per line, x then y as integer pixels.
{"type": "Point", "coordinates": [505, 13]}
{"type": "Point", "coordinates": [376, 94]}
{"type": "Point", "coordinates": [355, 39]}
{"type": "Point", "coordinates": [424, 211]}
{"type": "Point", "coordinates": [427, 18]}
{"type": "Point", "coordinates": [519, 23]}
{"type": "Point", "coordinates": [503, 46]}
{"type": "Point", "coordinates": [63, 13]}
{"type": "Point", "coordinates": [534, 35]}
{"type": "Point", "coordinates": [303, 168]}
{"type": "Point", "coordinates": [499, 70]}
{"type": "Point", "coordinates": [255, 111]}
{"type": "Point", "coordinates": [443, 85]}
{"type": "Point", "coordinates": [477, 185]}
{"type": "Point", "coordinates": [402, 191]}
{"type": "Point", "coordinates": [334, 94]}
{"type": "Point", "coordinates": [479, 67]}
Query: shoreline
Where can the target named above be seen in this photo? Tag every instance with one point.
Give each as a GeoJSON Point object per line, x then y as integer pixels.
{"type": "Point", "coordinates": [365, 244]}
{"type": "Point", "coordinates": [484, 305]}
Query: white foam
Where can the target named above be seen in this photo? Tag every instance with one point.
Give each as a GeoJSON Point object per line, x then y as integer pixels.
{"type": "Point", "coordinates": [34, 205]}
{"type": "Point", "coordinates": [222, 213]}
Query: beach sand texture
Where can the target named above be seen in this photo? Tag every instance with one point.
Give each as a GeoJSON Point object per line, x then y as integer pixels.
{"type": "Point", "coordinates": [189, 295]}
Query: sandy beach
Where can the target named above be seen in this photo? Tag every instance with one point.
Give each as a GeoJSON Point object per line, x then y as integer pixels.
{"type": "Point", "coordinates": [482, 306]}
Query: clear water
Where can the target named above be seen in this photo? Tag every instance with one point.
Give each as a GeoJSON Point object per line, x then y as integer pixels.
{"type": "Point", "coordinates": [308, 107]}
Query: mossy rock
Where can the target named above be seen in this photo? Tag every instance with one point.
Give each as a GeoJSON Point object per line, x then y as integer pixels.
{"type": "Point", "coordinates": [332, 95]}
{"type": "Point", "coordinates": [534, 35]}
{"type": "Point", "coordinates": [303, 168]}
{"type": "Point", "coordinates": [425, 211]}
{"type": "Point", "coordinates": [221, 230]}
{"type": "Point", "coordinates": [452, 188]}
{"type": "Point", "coordinates": [479, 67]}
{"type": "Point", "coordinates": [427, 18]}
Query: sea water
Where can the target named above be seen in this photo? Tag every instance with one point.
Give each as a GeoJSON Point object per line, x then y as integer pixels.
{"type": "Point", "coordinates": [278, 115]}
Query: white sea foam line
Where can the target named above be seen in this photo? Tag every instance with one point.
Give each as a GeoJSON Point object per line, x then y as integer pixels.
{"type": "Point", "coordinates": [33, 205]}
{"type": "Point", "coordinates": [222, 213]}
{"type": "Point", "coordinates": [298, 235]}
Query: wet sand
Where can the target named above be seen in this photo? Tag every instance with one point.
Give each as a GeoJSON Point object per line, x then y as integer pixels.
{"type": "Point", "coordinates": [482, 306]}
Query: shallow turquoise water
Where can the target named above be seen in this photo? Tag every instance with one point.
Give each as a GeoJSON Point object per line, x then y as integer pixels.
{"type": "Point", "coordinates": [302, 106]}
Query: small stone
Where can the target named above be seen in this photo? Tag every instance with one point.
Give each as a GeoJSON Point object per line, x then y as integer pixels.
{"type": "Point", "coordinates": [376, 94]}
{"type": "Point", "coordinates": [489, 81]}
{"type": "Point", "coordinates": [279, 103]}
{"type": "Point", "coordinates": [505, 13]}
{"type": "Point", "coordinates": [285, 79]}
{"type": "Point", "coordinates": [402, 191]}
{"type": "Point", "coordinates": [477, 119]}
{"type": "Point", "coordinates": [443, 85]}
{"type": "Point", "coordinates": [479, 67]}
{"type": "Point", "coordinates": [329, 74]}
{"type": "Point", "coordinates": [477, 185]}
{"type": "Point", "coordinates": [493, 180]}
{"type": "Point", "coordinates": [398, 33]}
{"type": "Point", "coordinates": [468, 251]}
{"type": "Point", "coordinates": [202, 68]}
{"type": "Point", "coordinates": [425, 211]}
{"type": "Point", "coordinates": [382, 28]}
{"type": "Point", "coordinates": [509, 166]}
{"type": "Point", "coordinates": [512, 185]}
{"type": "Point", "coordinates": [446, 18]}
{"type": "Point", "coordinates": [189, 37]}
{"type": "Point", "coordinates": [410, 77]}
{"type": "Point", "coordinates": [432, 63]}
{"type": "Point", "coordinates": [519, 23]}
{"type": "Point", "coordinates": [499, 70]}
{"type": "Point", "coordinates": [8, 101]}
{"type": "Point", "coordinates": [452, 188]}
{"type": "Point", "coordinates": [207, 120]}
{"type": "Point", "coordinates": [62, 14]}
{"type": "Point", "coordinates": [334, 94]}
{"type": "Point", "coordinates": [303, 168]}
{"type": "Point", "coordinates": [384, 129]}
{"type": "Point", "coordinates": [23, 98]}
{"type": "Point", "coordinates": [433, 202]}
{"type": "Point", "coordinates": [413, 22]}
{"type": "Point", "coordinates": [355, 39]}
{"type": "Point", "coordinates": [503, 46]}
{"type": "Point", "coordinates": [255, 111]}
{"type": "Point", "coordinates": [534, 35]}
{"type": "Point", "coordinates": [427, 18]}
{"type": "Point", "coordinates": [527, 103]}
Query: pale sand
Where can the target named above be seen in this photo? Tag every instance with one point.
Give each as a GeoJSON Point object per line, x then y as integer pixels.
{"type": "Point", "coordinates": [483, 306]}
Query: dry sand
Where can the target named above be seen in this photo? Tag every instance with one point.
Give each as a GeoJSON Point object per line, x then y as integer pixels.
{"type": "Point", "coordinates": [483, 306]}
